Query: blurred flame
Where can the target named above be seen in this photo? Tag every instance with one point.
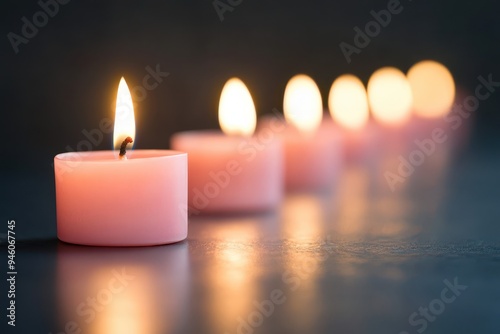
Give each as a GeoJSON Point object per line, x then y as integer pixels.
{"type": "Point", "coordinates": [236, 109]}
{"type": "Point", "coordinates": [124, 115]}
{"type": "Point", "coordinates": [389, 96]}
{"type": "Point", "coordinates": [433, 89]}
{"type": "Point", "coordinates": [348, 102]}
{"type": "Point", "coordinates": [302, 103]}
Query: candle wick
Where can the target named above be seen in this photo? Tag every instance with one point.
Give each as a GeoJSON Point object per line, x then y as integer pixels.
{"type": "Point", "coordinates": [123, 147]}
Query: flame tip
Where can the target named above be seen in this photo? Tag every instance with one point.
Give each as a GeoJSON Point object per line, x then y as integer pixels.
{"type": "Point", "coordinates": [124, 115]}
{"type": "Point", "coordinates": [302, 103]}
{"type": "Point", "coordinates": [237, 114]}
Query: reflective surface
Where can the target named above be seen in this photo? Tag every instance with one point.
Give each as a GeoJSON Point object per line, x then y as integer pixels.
{"type": "Point", "coordinates": [359, 259]}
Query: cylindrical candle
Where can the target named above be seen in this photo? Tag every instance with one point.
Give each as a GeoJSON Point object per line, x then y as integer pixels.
{"type": "Point", "coordinates": [312, 149]}
{"type": "Point", "coordinates": [390, 100]}
{"type": "Point", "coordinates": [231, 173]}
{"type": "Point", "coordinates": [312, 160]}
{"type": "Point", "coordinates": [104, 201]}
{"type": "Point", "coordinates": [234, 171]}
{"type": "Point", "coordinates": [348, 106]}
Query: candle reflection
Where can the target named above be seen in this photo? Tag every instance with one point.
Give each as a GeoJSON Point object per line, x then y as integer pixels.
{"type": "Point", "coordinates": [304, 215]}
{"type": "Point", "coordinates": [367, 208]}
{"type": "Point", "coordinates": [352, 216]}
{"type": "Point", "coordinates": [122, 290]}
{"type": "Point", "coordinates": [233, 284]}
{"type": "Point", "coordinates": [231, 272]}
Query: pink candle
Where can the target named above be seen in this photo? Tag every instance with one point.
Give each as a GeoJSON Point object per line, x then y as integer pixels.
{"type": "Point", "coordinates": [312, 148]}
{"type": "Point", "coordinates": [390, 100]}
{"type": "Point", "coordinates": [134, 199]}
{"type": "Point", "coordinates": [236, 171]}
{"type": "Point", "coordinates": [313, 161]}
{"type": "Point", "coordinates": [433, 90]}
{"type": "Point", "coordinates": [348, 106]}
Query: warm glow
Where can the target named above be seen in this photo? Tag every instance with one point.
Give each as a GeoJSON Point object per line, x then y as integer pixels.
{"type": "Point", "coordinates": [389, 96]}
{"type": "Point", "coordinates": [302, 103]}
{"type": "Point", "coordinates": [231, 271]}
{"type": "Point", "coordinates": [303, 214]}
{"type": "Point", "coordinates": [348, 103]}
{"type": "Point", "coordinates": [124, 115]}
{"type": "Point", "coordinates": [236, 109]}
{"type": "Point", "coordinates": [433, 89]}
{"type": "Point", "coordinates": [129, 311]}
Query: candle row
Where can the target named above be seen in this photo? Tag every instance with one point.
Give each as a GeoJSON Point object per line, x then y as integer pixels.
{"type": "Point", "coordinates": [142, 197]}
{"type": "Point", "coordinates": [239, 170]}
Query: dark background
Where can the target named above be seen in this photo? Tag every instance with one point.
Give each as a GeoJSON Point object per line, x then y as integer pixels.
{"type": "Point", "coordinates": [64, 80]}
{"type": "Point", "coordinates": [391, 251]}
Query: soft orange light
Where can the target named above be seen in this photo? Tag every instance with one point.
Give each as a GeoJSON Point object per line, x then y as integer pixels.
{"type": "Point", "coordinates": [236, 109]}
{"type": "Point", "coordinates": [389, 96]}
{"type": "Point", "coordinates": [348, 102]}
{"type": "Point", "coordinates": [302, 103]}
{"type": "Point", "coordinates": [124, 115]}
{"type": "Point", "coordinates": [433, 89]}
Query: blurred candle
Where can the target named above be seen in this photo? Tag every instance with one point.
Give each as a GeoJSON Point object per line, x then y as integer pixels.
{"type": "Point", "coordinates": [348, 106]}
{"type": "Point", "coordinates": [137, 199]}
{"type": "Point", "coordinates": [390, 101]}
{"type": "Point", "coordinates": [235, 170]}
{"type": "Point", "coordinates": [312, 149]}
{"type": "Point", "coordinates": [433, 92]}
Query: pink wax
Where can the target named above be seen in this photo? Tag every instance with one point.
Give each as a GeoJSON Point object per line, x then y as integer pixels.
{"type": "Point", "coordinates": [358, 145]}
{"type": "Point", "coordinates": [456, 125]}
{"type": "Point", "coordinates": [104, 201]}
{"type": "Point", "coordinates": [312, 161]}
{"type": "Point", "coordinates": [232, 173]}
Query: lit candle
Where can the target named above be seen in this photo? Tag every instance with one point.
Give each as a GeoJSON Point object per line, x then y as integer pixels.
{"type": "Point", "coordinates": [390, 101]}
{"type": "Point", "coordinates": [234, 171]}
{"type": "Point", "coordinates": [348, 106]}
{"type": "Point", "coordinates": [134, 198]}
{"type": "Point", "coordinates": [433, 139]}
{"type": "Point", "coordinates": [312, 147]}
{"type": "Point", "coordinates": [433, 90]}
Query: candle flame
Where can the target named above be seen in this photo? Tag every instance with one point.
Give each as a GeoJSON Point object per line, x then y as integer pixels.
{"type": "Point", "coordinates": [433, 89]}
{"type": "Point", "coordinates": [236, 109]}
{"type": "Point", "coordinates": [124, 115]}
{"type": "Point", "coordinates": [302, 103]}
{"type": "Point", "coordinates": [348, 102]}
{"type": "Point", "coordinates": [389, 96]}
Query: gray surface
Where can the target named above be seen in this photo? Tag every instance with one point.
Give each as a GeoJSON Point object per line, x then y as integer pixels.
{"type": "Point", "coordinates": [360, 259]}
